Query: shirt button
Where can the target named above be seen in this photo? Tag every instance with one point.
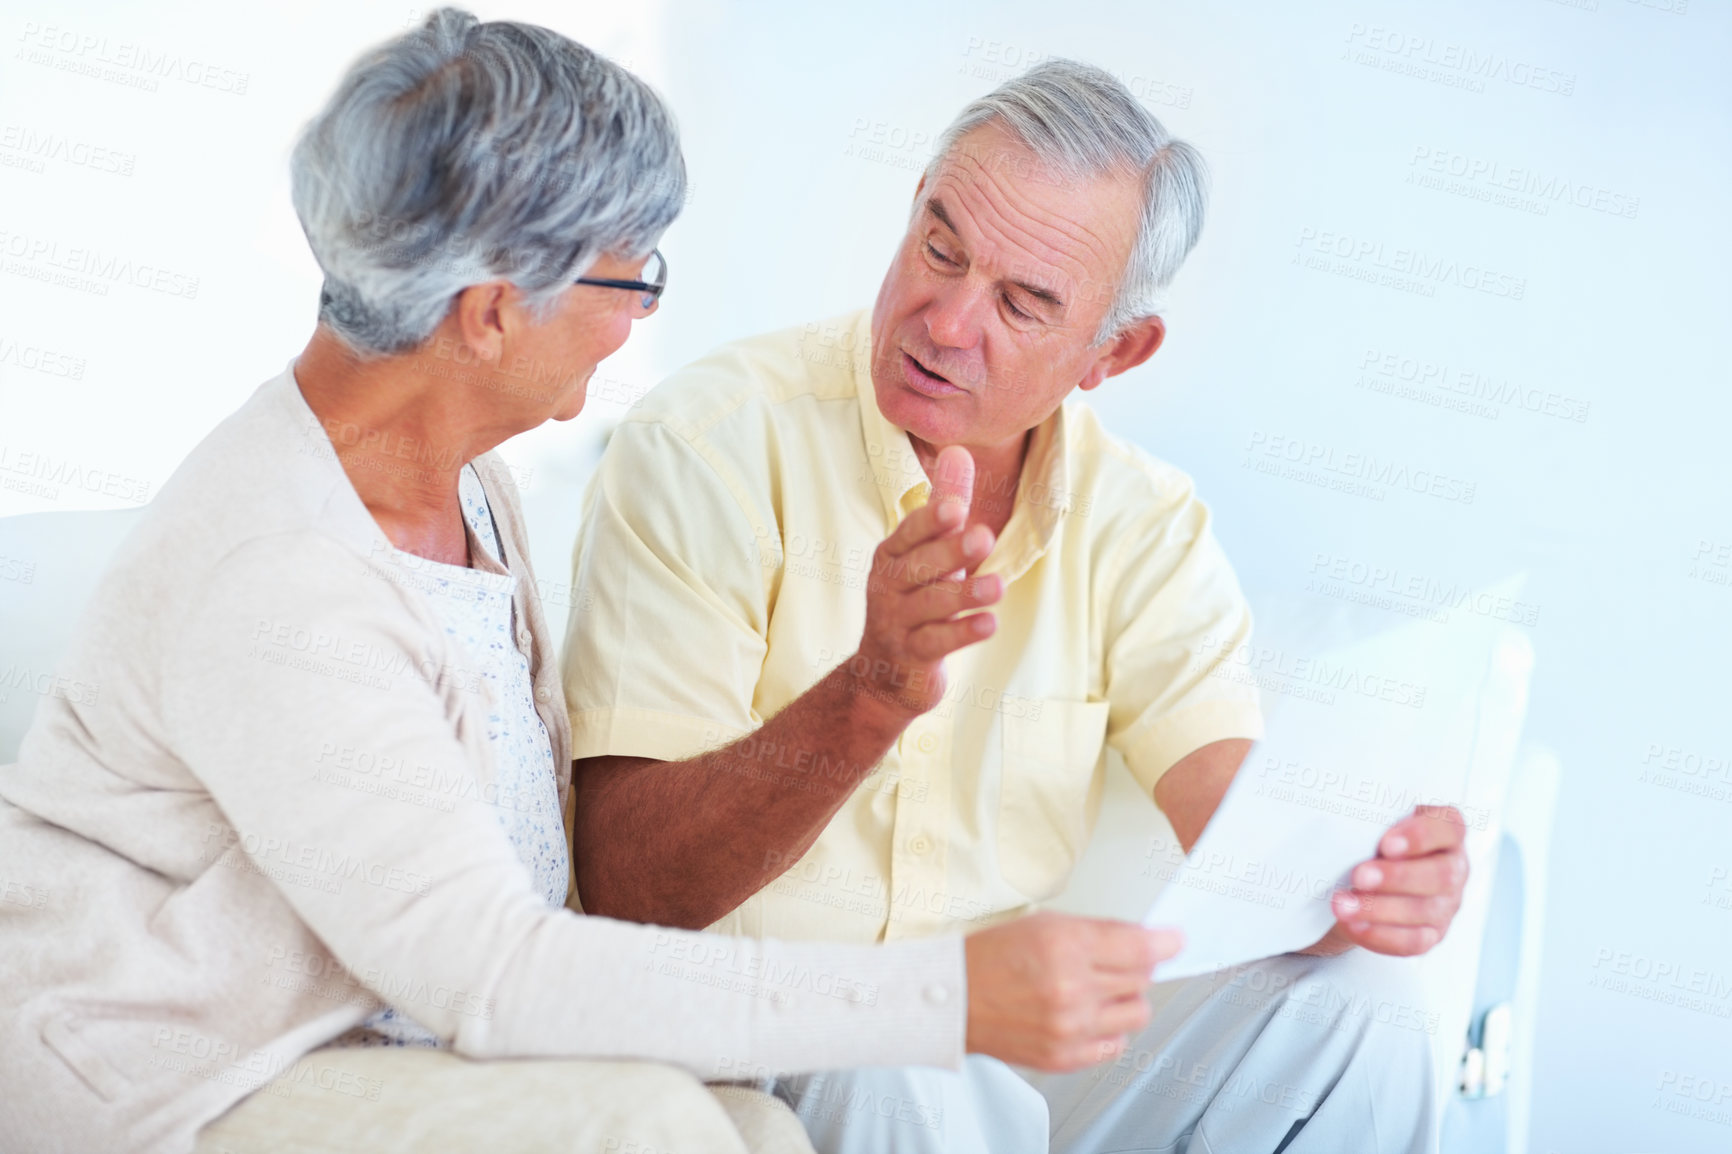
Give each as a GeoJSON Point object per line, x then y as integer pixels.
{"type": "Point", "coordinates": [927, 743]}
{"type": "Point", "coordinates": [920, 844]}
{"type": "Point", "coordinates": [542, 695]}
{"type": "Point", "coordinates": [937, 994]}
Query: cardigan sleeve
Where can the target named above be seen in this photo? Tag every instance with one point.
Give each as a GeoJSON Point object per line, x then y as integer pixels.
{"type": "Point", "coordinates": [300, 655]}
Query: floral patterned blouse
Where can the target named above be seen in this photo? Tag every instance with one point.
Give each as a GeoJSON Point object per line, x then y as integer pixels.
{"type": "Point", "coordinates": [477, 612]}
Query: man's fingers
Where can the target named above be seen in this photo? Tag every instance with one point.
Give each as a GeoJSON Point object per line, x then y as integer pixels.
{"type": "Point", "coordinates": [947, 599]}
{"type": "Point", "coordinates": [1395, 909]}
{"type": "Point", "coordinates": [929, 521]}
{"type": "Point", "coordinates": [1438, 873]}
{"type": "Point", "coordinates": [1401, 941]}
{"type": "Point", "coordinates": [1431, 828]}
{"type": "Point", "coordinates": [941, 558]}
{"type": "Point", "coordinates": [953, 477]}
{"type": "Point", "coordinates": [946, 509]}
{"type": "Point", "coordinates": [941, 638]}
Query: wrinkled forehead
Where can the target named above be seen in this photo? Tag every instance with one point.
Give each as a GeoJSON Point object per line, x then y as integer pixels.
{"type": "Point", "coordinates": [1013, 211]}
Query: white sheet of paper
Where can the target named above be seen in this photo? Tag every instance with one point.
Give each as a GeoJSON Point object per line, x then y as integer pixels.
{"type": "Point", "coordinates": [1410, 714]}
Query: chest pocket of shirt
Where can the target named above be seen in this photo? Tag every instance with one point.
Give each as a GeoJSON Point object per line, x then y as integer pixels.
{"type": "Point", "coordinates": [1050, 758]}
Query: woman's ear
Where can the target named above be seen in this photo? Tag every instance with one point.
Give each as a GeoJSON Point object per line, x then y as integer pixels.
{"type": "Point", "coordinates": [484, 314]}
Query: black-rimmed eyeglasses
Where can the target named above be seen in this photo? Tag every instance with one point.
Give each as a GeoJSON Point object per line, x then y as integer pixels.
{"type": "Point", "coordinates": [655, 280]}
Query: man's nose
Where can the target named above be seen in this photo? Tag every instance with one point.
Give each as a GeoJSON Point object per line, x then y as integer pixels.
{"type": "Point", "coordinates": [953, 319]}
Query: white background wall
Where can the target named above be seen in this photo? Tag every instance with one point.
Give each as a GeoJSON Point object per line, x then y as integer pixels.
{"type": "Point", "coordinates": [143, 148]}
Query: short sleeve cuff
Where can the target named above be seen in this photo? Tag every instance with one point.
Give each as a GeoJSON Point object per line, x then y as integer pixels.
{"type": "Point", "coordinates": [646, 733]}
{"type": "Point", "coordinates": [1156, 748]}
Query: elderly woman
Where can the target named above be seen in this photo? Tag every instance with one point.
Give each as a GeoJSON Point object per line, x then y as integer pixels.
{"type": "Point", "coordinates": [306, 859]}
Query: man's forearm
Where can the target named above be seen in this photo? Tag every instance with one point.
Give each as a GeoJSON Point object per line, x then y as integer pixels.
{"type": "Point", "coordinates": [683, 843]}
{"type": "Point", "coordinates": [1191, 791]}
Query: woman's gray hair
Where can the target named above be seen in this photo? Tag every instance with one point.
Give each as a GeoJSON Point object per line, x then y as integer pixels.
{"type": "Point", "coordinates": [1080, 121]}
{"type": "Point", "coordinates": [464, 152]}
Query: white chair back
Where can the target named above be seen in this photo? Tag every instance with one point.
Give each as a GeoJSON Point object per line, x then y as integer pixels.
{"type": "Point", "coordinates": [49, 565]}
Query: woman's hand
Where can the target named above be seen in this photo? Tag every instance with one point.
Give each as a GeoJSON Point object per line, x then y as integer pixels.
{"type": "Point", "coordinates": [1060, 993]}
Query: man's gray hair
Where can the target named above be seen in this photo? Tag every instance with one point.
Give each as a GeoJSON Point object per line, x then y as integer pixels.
{"type": "Point", "coordinates": [464, 152]}
{"type": "Point", "coordinates": [1080, 121]}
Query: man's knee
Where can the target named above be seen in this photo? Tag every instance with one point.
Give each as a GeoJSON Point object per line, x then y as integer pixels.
{"type": "Point", "coordinates": [986, 1107]}
{"type": "Point", "coordinates": [1364, 993]}
{"type": "Point", "coordinates": [909, 1100]}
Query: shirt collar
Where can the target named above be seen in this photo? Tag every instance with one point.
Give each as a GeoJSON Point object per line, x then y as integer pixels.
{"type": "Point", "coordinates": [896, 471]}
{"type": "Point", "coordinates": [1042, 492]}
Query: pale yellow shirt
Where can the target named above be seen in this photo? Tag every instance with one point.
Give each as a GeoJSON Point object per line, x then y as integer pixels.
{"type": "Point", "coordinates": [725, 542]}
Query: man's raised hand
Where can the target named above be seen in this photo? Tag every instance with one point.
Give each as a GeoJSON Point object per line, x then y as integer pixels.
{"type": "Point", "coordinates": [919, 590]}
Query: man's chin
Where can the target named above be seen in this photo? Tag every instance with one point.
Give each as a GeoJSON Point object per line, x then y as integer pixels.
{"type": "Point", "coordinates": [928, 419]}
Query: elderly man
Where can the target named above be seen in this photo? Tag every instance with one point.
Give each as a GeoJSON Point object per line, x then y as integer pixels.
{"type": "Point", "coordinates": [785, 726]}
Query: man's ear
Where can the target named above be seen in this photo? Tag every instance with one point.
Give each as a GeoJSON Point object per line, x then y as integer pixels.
{"type": "Point", "coordinates": [1136, 344]}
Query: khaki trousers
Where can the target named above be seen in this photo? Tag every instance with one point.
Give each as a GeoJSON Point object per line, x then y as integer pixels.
{"type": "Point", "coordinates": [386, 1100]}
{"type": "Point", "coordinates": [1297, 1054]}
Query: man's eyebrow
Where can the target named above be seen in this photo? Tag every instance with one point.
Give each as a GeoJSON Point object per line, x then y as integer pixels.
{"type": "Point", "coordinates": [937, 209]}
